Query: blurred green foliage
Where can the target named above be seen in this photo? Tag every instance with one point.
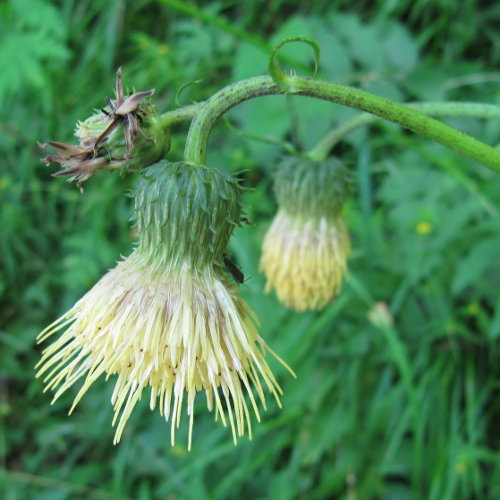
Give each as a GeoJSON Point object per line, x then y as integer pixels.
{"type": "Point", "coordinates": [397, 395]}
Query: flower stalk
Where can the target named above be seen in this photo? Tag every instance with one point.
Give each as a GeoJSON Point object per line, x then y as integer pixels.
{"type": "Point", "coordinates": [406, 116]}
{"type": "Point", "coordinates": [467, 109]}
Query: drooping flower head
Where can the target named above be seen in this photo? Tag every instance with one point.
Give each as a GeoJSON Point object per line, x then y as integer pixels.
{"type": "Point", "coordinates": [169, 317]}
{"type": "Point", "coordinates": [305, 251]}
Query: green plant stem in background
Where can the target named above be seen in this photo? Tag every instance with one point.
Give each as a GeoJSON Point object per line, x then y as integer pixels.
{"type": "Point", "coordinates": [230, 96]}
{"type": "Point", "coordinates": [473, 110]}
{"type": "Point", "coordinates": [217, 21]}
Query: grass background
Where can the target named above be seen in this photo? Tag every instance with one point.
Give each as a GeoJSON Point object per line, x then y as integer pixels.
{"type": "Point", "coordinates": [408, 411]}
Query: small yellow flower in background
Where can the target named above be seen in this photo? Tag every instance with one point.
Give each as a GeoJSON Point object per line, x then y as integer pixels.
{"type": "Point", "coordinates": [305, 251]}
{"type": "Point", "coordinates": [168, 317]}
{"type": "Point", "coordinates": [424, 227]}
{"type": "Point", "coordinates": [473, 309]}
{"type": "Point", "coordinates": [163, 49]}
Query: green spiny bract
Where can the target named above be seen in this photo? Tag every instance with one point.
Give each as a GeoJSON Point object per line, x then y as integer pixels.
{"type": "Point", "coordinates": [186, 213]}
{"type": "Point", "coordinates": [310, 189]}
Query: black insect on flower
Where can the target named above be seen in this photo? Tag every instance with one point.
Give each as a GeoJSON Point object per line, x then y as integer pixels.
{"type": "Point", "coordinates": [246, 221]}
{"type": "Point", "coordinates": [233, 269]}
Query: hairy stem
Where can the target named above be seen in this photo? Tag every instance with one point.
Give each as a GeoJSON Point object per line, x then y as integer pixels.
{"type": "Point", "coordinates": [186, 113]}
{"type": "Point", "coordinates": [470, 109]}
{"type": "Point", "coordinates": [230, 96]}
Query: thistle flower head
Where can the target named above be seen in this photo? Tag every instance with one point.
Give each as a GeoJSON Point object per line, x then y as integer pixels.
{"type": "Point", "coordinates": [168, 317]}
{"type": "Point", "coordinates": [305, 251]}
{"type": "Point", "coordinates": [113, 139]}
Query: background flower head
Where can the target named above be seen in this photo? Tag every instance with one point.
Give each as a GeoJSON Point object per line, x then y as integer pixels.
{"type": "Point", "coordinates": [305, 251]}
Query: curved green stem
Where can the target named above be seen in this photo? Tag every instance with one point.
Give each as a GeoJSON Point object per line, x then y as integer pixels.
{"type": "Point", "coordinates": [186, 113]}
{"type": "Point", "coordinates": [216, 106]}
{"type": "Point", "coordinates": [470, 109]}
{"type": "Point", "coordinates": [225, 99]}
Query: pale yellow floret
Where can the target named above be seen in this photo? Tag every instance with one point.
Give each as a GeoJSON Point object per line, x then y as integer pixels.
{"type": "Point", "coordinates": [173, 331]}
{"type": "Point", "coordinates": [305, 260]}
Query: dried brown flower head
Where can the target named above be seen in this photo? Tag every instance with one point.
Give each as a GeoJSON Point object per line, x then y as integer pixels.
{"type": "Point", "coordinates": [101, 148]}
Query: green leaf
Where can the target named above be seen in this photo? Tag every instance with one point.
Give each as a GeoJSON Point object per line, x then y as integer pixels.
{"type": "Point", "coordinates": [401, 48]}
{"type": "Point", "coordinates": [475, 264]}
